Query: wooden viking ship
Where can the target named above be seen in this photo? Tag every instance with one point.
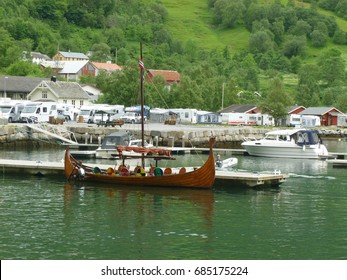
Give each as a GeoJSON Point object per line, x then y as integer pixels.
{"type": "Point", "coordinates": [202, 177]}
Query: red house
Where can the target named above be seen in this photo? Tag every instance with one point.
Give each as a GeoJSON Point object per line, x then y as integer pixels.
{"type": "Point", "coordinates": [170, 77]}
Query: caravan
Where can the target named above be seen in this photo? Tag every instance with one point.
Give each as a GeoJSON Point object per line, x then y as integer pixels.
{"type": "Point", "coordinates": [239, 119]}
{"type": "Point", "coordinates": [11, 110]}
{"type": "Point", "coordinates": [186, 116]}
{"type": "Point", "coordinates": [342, 120]}
{"type": "Point", "coordinates": [37, 112]}
{"type": "Point", "coordinates": [293, 120]}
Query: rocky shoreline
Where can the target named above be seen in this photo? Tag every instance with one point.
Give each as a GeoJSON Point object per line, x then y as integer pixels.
{"type": "Point", "coordinates": [16, 135]}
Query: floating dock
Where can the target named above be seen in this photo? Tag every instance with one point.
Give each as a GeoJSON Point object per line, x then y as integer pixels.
{"type": "Point", "coordinates": [223, 178]}
{"type": "Point", "coordinates": [81, 153]}
{"type": "Point", "coordinates": [339, 163]}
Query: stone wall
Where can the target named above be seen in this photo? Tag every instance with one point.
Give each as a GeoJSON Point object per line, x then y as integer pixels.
{"type": "Point", "coordinates": [227, 136]}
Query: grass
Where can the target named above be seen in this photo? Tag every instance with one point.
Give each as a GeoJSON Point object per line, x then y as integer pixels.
{"type": "Point", "coordinates": [191, 20]}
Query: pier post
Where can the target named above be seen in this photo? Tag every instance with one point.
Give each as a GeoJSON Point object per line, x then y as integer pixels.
{"type": "Point", "coordinates": [99, 141]}
{"type": "Point", "coordinates": [86, 138]}
{"type": "Point", "coordinates": [172, 139]}
{"type": "Point", "coordinates": [156, 140]}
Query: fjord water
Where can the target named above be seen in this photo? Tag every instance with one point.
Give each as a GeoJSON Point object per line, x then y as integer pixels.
{"type": "Point", "coordinates": [48, 218]}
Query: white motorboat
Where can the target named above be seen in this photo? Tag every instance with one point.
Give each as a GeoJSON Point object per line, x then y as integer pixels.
{"type": "Point", "coordinates": [226, 163]}
{"type": "Point", "coordinates": [108, 150]}
{"type": "Point", "coordinates": [288, 143]}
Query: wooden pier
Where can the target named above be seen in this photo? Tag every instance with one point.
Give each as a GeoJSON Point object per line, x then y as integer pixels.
{"type": "Point", "coordinates": [223, 178]}
{"type": "Point", "coordinates": [87, 153]}
{"type": "Point", "coordinates": [340, 160]}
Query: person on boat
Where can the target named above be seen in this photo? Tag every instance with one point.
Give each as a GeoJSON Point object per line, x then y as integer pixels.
{"type": "Point", "coordinates": [219, 162]}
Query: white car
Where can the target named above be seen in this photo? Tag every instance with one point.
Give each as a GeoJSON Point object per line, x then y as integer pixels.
{"type": "Point", "coordinates": [130, 117]}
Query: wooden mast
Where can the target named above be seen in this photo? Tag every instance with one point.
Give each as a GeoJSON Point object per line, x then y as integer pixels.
{"type": "Point", "coordinates": [142, 73]}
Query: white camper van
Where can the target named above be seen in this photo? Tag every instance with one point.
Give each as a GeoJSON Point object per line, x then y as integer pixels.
{"type": "Point", "coordinates": [86, 114]}
{"type": "Point", "coordinates": [36, 112]}
{"type": "Point", "coordinates": [11, 110]}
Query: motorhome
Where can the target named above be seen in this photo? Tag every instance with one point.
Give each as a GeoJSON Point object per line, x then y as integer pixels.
{"type": "Point", "coordinates": [11, 110]}
{"type": "Point", "coordinates": [86, 114]}
{"type": "Point", "coordinates": [37, 112]}
{"type": "Point", "coordinates": [66, 112]}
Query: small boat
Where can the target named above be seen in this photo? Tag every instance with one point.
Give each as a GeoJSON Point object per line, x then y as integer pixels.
{"type": "Point", "coordinates": [288, 143]}
{"type": "Point", "coordinates": [108, 150]}
{"type": "Point", "coordinates": [154, 176]}
{"type": "Point", "coordinates": [226, 163]}
{"type": "Point", "coordinates": [202, 177]}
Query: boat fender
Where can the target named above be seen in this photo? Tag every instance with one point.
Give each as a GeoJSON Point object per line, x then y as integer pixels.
{"type": "Point", "coordinates": [96, 170]}
{"type": "Point", "coordinates": [158, 172]}
{"type": "Point", "coordinates": [81, 172]}
{"type": "Point", "coordinates": [182, 170]}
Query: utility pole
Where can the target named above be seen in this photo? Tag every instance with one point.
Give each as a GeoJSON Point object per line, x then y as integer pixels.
{"type": "Point", "coordinates": [5, 86]}
{"type": "Point", "coordinates": [223, 96]}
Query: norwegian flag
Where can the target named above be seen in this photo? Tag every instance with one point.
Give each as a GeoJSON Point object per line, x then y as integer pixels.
{"type": "Point", "coordinates": [141, 65]}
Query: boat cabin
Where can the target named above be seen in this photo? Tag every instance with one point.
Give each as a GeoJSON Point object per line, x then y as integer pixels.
{"type": "Point", "coordinates": [116, 138]}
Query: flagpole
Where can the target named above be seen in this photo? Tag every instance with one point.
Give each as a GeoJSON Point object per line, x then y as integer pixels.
{"type": "Point", "coordinates": [142, 105]}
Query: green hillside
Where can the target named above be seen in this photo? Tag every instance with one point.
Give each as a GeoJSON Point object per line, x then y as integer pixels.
{"type": "Point", "coordinates": [191, 20]}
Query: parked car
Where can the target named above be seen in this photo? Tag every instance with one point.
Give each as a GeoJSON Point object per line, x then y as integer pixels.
{"type": "Point", "coordinates": [130, 117]}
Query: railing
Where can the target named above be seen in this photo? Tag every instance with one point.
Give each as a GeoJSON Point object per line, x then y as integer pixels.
{"type": "Point", "coordinates": [55, 131]}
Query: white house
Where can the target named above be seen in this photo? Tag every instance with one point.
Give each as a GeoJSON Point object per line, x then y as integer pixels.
{"type": "Point", "coordinates": [70, 93]}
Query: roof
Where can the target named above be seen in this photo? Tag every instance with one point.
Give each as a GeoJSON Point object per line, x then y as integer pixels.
{"type": "Point", "coordinates": [168, 75]}
{"type": "Point", "coordinates": [238, 108]}
{"type": "Point", "coordinates": [19, 84]}
{"type": "Point", "coordinates": [318, 111]}
{"type": "Point", "coordinates": [67, 67]}
{"type": "Point", "coordinates": [68, 90]}
{"type": "Point", "coordinates": [39, 55]}
{"type": "Point", "coordinates": [110, 67]}
{"type": "Point", "coordinates": [74, 55]}
{"type": "Point", "coordinates": [293, 108]}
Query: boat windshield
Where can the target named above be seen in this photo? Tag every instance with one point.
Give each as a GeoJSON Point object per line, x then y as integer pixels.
{"type": "Point", "coordinates": [271, 137]}
{"type": "Point", "coordinates": [315, 138]}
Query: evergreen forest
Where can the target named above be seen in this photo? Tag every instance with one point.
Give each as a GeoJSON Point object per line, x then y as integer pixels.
{"type": "Point", "coordinates": [272, 53]}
